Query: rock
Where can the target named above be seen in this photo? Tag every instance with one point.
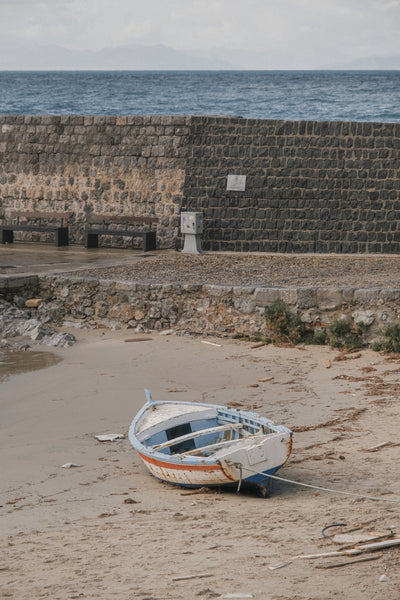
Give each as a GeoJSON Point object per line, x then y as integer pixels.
{"type": "Point", "coordinates": [122, 311]}
{"type": "Point", "coordinates": [27, 327]}
{"type": "Point", "coordinates": [154, 312]}
{"type": "Point", "coordinates": [50, 312]}
{"type": "Point", "coordinates": [386, 317]}
{"type": "Point", "coordinates": [59, 339]}
{"type": "Point", "coordinates": [37, 334]}
{"type": "Point", "coordinates": [310, 316]}
{"type": "Point", "coordinates": [19, 301]}
{"type": "Point", "coordinates": [327, 363]}
{"type": "Point", "coordinates": [365, 317]}
{"type": "Point", "coordinates": [139, 315]}
{"type": "Point", "coordinates": [75, 324]}
{"type": "Point", "coordinates": [15, 322]}
{"type": "Point", "coordinates": [23, 348]}
{"type": "Point", "coordinates": [245, 305]}
{"type": "Point", "coordinates": [344, 318]}
{"type": "Point", "coordinates": [33, 303]}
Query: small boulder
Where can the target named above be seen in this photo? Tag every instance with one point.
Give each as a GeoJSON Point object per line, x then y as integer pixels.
{"type": "Point", "coordinates": [61, 339]}
{"type": "Point", "coordinates": [33, 303]}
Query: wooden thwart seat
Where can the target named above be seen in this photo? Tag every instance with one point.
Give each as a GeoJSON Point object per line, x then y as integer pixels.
{"type": "Point", "coordinates": [217, 445]}
{"type": "Point", "coordinates": [35, 221]}
{"type": "Point", "coordinates": [102, 225]}
{"type": "Point", "coordinates": [194, 434]}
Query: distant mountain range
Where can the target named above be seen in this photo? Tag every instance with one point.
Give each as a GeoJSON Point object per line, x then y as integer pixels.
{"type": "Point", "coordinates": [160, 57]}
{"type": "Point", "coordinates": [135, 57]}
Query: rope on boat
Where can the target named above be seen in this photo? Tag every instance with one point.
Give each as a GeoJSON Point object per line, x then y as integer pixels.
{"type": "Point", "coordinates": [314, 487]}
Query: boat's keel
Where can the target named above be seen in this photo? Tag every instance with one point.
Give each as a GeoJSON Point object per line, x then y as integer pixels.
{"type": "Point", "coordinates": [263, 489]}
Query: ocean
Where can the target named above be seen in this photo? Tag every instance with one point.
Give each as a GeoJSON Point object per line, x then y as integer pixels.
{"type": "Point", "coordinates": [287, 95]}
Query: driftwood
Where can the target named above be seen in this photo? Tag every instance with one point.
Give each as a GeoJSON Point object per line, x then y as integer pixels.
{"type": "Point", "coordinates": [349, 562]}
{"type": "Point", "coordinates": [186, 577]}
{"type": "Point", "coordinates": [359, 548]}
{"type": "Point", "coordinates": [379, 446]}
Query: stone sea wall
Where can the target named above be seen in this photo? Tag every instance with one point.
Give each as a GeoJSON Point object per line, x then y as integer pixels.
{"type": "Point", "coordinates": [310, 186]}
{"type": "Point", "coordinates": [212, 309]}
{"type": "Point", "coordinates": [101, 165]}
{"type": "Point", "coordinates": [302, 186]}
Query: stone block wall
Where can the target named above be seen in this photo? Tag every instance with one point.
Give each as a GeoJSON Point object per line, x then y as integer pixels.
{"type": "Point", "coordinates": [310, 186]}
{"type": "Point", "coordinates": [219, 310]}
{"type": "Point", "coordinates": [100, 165]}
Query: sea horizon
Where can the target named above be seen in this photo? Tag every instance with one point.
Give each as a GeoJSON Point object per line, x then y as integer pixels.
{"type": "Point", "coordinates": [306, 94]}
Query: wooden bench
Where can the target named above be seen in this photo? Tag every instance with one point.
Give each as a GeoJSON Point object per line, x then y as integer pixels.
{"type": "Point", "coordinates": [35, 221]}
{"type": "Point", "coordinates": [98, 225]}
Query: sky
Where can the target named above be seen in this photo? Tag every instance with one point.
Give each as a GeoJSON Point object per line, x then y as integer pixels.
{"type": "Point", "coordinates": [291, 33]}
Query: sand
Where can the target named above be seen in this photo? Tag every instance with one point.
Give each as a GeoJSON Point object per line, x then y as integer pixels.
{"type": "Point", "coordinates": [106, 529]}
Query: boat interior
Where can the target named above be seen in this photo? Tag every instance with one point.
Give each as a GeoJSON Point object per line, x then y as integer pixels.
{"type": "Point", "coordinates": [200, 432]}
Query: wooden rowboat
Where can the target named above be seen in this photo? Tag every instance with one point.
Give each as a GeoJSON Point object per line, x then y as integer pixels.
{"type": "Point", "coordinates": [195, 444]}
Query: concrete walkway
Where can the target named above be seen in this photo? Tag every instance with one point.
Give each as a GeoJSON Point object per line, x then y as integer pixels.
{"type": "Point", "coordinates": [33, 259]}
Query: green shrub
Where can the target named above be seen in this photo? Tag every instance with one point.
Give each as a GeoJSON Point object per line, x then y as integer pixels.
{"type": "Point", "coordinates": [391, 341]}
{"type": "Point", "coordinates": [283, 327]}
{"type": "Point", "coordinates": [317, 337]}
{"type": "Point", "coordinates": [340, 334]}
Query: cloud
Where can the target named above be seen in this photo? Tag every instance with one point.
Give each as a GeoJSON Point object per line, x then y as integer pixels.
{"type": "Point", "coordinates": [297, 32]}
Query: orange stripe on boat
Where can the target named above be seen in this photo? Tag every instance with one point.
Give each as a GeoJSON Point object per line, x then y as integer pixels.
{"type": "Point", "coordinates": [164, 465]}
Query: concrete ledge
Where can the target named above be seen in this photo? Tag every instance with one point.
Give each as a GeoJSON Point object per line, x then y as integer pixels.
{"type": "Point", "coordinates": [13, 283]}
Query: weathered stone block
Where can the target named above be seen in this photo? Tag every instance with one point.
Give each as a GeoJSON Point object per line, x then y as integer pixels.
{"type": "Point", "coordinates": [367, 297]}
{"type": "Point", "coordinates": [306, 298]}
{"type": "Point", "coordinates": [266, 296]}
{"type": "Point", "coordinates": [217, 290]}
{"type": "Point", "coordinates": [329, 299]}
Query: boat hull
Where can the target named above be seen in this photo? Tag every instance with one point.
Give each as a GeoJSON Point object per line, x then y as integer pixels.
{"type": "Point", "coordinates": [215, 475]}
{"type": "Point", "coordinates": [227, 460]}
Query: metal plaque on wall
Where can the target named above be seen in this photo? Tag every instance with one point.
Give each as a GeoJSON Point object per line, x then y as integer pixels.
{"type": "Point", "coordinates": [236, 183]}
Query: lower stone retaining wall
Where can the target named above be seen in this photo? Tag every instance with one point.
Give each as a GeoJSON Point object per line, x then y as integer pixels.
{"type": "Point", "coordinates": [224, 311]}
{"type": "Point", "coordinates": [211, 309]}
{"type": "Point", "coordinates": [26, 286]}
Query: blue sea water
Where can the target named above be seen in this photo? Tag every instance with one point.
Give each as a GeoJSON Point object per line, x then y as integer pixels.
{"type": "Point", "coordinates": [288, 95]}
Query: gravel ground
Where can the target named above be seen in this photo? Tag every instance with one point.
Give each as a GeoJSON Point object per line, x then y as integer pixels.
{"type": "Point", "coordinates": [258, 270]}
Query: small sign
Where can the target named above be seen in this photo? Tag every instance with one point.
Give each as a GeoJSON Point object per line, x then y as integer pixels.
{"type": "Point", "coordinates": [236, 183]}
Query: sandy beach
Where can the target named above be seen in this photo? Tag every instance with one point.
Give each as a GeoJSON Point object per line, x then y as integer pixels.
{"type": "Point", "coordinates": [107, 529]}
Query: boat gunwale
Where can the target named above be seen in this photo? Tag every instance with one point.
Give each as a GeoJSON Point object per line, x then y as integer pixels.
{"type": "Point", "coordinates": [180, 458]}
